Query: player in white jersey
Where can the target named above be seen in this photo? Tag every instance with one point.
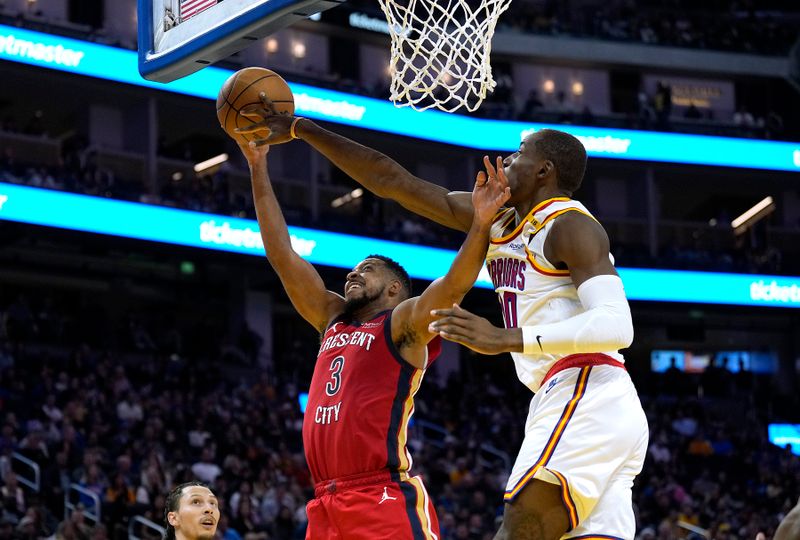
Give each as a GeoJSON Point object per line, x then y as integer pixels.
{"type": "Point", "coordinates": [566, 317]}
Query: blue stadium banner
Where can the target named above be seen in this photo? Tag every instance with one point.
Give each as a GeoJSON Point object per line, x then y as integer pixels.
{"type": "Point", "coordinates": [182, 227]}
{"type": "Point", "coordinates": [120, 65]}
{"type": "Point", "coordinates": [784, 435]}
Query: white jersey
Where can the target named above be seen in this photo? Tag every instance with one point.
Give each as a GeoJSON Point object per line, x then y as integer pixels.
{"type": "Point", "coordinates": [531, 290]}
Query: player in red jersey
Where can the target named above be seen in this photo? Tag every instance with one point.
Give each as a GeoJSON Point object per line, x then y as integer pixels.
{"type": "Point", "coordinates": [375, 346]}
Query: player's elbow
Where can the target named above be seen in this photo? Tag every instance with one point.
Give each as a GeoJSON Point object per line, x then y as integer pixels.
{"type": "Point", "coordinates": [621, 324]}
{"type": "Point", "coordinates": [625, 331]}
{"type": "Point", "coordinates": [609, 328]}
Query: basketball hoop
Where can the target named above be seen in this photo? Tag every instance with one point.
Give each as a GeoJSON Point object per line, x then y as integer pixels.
{"type": "Point", "coordinates": [441, 51]}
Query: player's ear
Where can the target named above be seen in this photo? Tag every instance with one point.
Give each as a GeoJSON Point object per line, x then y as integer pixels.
{"type": "Point", "coordinates": [546, 168]}
{"type": "Point", "coordinates": [395, 287]}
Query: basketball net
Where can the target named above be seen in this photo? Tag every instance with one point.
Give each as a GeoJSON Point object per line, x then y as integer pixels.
{"type": "Point", "coordinates": [440, 51]}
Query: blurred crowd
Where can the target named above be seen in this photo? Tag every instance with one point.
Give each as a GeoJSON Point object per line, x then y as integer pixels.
{"type": "Point", "coordinates": [126, 411]}
{"type": "Point", "coordinates": [768, 28]}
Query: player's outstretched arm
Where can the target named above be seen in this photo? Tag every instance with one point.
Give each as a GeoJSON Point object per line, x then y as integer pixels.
{"type": "Point", "coordinates": [580, 243]}
{"type": "Point", "coordinates": [375, 171]}
{"type": "Point", "coordinates": [302, 282]}
{"type": "Point", "coordinates": [411, 319]}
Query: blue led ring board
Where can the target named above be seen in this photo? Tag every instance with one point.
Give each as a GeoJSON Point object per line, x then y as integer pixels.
{"type": "Point", "coordinates": [180, 37]}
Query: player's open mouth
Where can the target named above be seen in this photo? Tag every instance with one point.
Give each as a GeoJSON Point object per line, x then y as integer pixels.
{"type": "Point", "coordinates": [352, 286]}
{"type": "Point", "coordinates": [209, 522]}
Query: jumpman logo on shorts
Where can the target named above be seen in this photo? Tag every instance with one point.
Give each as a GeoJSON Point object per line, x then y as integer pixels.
{"type": "Point", "coordinates": [386, 496]}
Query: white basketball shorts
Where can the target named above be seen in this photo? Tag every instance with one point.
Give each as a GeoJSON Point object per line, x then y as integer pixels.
{"type": "Point", "coordinates": [586, 432]}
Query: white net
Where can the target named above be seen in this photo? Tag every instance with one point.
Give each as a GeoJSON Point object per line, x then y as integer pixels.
{"type": "Point", "coordinates": [440, 51]}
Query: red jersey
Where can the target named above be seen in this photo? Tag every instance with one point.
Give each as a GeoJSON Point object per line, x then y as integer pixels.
{"type": "Point", "coordinates": [360, 401]}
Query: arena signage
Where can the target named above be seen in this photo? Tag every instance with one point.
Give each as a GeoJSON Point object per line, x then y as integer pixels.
{"type": "Point", "coordinates": [186, 228]}
{"type": "Point", "coordinates": [94, 60]}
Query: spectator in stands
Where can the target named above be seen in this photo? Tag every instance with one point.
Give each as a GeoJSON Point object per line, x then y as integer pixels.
{"type": "Point", "coordinates": [205, 469]}
{"type": "Point", "coordinates": [692, 112]}
{"type": "Point", "coordinates": [13, 496]}
{"type": "Point", "coordinates": [663, 104]}
{"type": "Point", "coordinates": [531, 106]}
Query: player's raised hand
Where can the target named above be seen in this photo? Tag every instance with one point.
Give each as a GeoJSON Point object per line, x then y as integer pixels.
{"type": "Point", "coordinates": [253, 153]}
{"type": "Point", "coordinates": [461, 326]}
{"type": "Point", "coordinates": [491, 191]}
{"type": "Point", "coordinates": [273, 126]}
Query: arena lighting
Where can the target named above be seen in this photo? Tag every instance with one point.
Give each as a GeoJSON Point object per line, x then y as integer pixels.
{"type": "Point", "coordinates": [125, 219]}
{"type": "Point", "coordinates": [299, 49]}
{"type": "Point", "coordinates": [215, 161]}
{"type": "Point", "coordinates": [549, 86]}
{"type": "Point", "coordinates": [271, 45]}
{"type": "Point", "coordinates": [752, 216]}
{"type": "Point", "coordinates": [120, 65]}
{"type": "Point", "coordinates": [347, 197]}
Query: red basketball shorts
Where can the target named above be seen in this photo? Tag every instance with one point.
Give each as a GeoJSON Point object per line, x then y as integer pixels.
{"type": "Point", "coordinates": [372, 507]}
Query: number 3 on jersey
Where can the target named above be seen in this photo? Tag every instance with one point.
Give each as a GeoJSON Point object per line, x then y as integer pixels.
{"type": "Point", "coordinates": [509, 302]}
{"type": "Point", "coordinates": [335, 384]}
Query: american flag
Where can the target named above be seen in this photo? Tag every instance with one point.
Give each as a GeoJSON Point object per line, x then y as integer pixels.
{"type": "Point", "coordinates": [190, 8]}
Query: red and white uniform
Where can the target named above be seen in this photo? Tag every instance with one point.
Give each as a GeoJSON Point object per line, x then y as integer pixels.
{"type": "Point", "coordinates": [354, 434]}
{"type": "Point", "coordinates": [586, 430]}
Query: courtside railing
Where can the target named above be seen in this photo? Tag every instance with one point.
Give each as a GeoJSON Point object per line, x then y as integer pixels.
{"type": "Point", "coordinates": [137, 526]}
{"type": "Point", "coordinates": [71, 502]}
{"type": "Point", "coordinates": [31, 476]}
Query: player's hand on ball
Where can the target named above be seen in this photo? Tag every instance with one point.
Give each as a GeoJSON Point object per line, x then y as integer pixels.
{"type": "Point", "coordinates": [273, 127]}
{"type": "Point", "coordinates": [461, 326]}
{"type": "Point", "coordinates": [491, 191]}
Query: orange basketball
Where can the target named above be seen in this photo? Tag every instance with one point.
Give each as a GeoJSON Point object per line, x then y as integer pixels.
{"type": "Point", "coordinates": [242, 89]}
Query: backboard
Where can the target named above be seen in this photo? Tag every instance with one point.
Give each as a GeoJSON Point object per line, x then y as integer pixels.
{"type": "Point", "coordinates": [179, 37]}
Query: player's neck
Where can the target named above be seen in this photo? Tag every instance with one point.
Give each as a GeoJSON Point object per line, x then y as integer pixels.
{"type": "Point", "coordinates": [369, 312]}
{"type": "Point", "coordinates": [542, 194]}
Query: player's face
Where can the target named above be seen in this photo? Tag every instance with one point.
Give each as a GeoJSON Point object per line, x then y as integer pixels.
{"type": "Point", "coordinates": [520, 169]}
{"type": "Point", "coordinates": [366, 282]}
{"type": "Point", "coordinates": [197, 515]}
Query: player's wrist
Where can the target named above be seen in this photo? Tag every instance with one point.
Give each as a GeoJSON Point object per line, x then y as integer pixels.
{"type": "Point", "coordinates": [298, 123]}
{"type": "Point", "coordinates": [531, 340]}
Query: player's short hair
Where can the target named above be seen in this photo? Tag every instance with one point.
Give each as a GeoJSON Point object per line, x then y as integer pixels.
{"type": "Point", "coordinates": [398, 271]}
{"type": "Point", "coordinates": [172, 504]}
{"type": "Point", "coordinates": [567, 154]}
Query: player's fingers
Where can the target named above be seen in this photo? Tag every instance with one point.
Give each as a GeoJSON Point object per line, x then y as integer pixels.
{"type": "Point", "coordinates": [502, 179]}
{"type": "Point", "coordinates": [262, 142]}
{"type": "Point", "coordinates": [489, 167]}
{"type": "Point", "coordinates": [458, 311]}
{"type": "Point", "coordinates": [251, 109]}
{"type": "Point", "coordinates": [447, 316]}
{"type": "Point", "coordinates": [453, 326]}
{"type": "Point", "coordinates": [252, 128]}
{"type": "Point", "coordinates": [449, 337]}
{"type": "Point", "coordinates": [267, 102]}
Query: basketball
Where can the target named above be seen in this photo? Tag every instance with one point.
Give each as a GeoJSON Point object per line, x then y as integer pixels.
{"type": "Point", "coordinates": [242, 89]}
